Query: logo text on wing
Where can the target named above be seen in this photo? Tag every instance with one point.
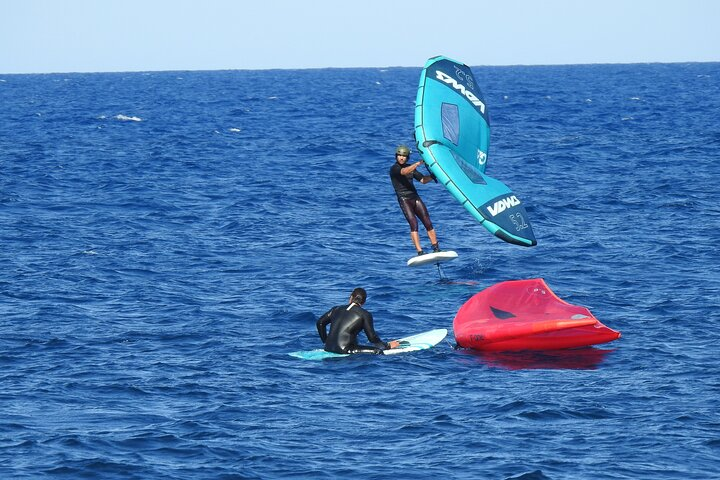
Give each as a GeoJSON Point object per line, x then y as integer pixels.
{"type": "Point", "coordinates": [503, 204]}
{"type": "Point", "coordinates": [445, 78]}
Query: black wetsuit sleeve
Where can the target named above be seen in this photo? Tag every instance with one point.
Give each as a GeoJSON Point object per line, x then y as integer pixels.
{"type": "Point", "coordinates": [417, 175]}
{"type": "Point", "coordinates": [322, 324]}
{"type": "Point", "coordinates": [369, 327]}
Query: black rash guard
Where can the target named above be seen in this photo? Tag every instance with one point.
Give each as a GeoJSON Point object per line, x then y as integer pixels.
{"type": "Point", "coordinates": [403, 184]}
{"type": "Point", "coordinates": [346, 321]}
{"type": "Point", "coordinates": [411, 204]}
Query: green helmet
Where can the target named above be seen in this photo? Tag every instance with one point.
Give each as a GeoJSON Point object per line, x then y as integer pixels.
{"type": "Point", "coordinates": [402, 150]}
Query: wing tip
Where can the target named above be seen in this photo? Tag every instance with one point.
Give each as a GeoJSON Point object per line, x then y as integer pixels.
{"type": "Point", "coordinates": [523, 242]}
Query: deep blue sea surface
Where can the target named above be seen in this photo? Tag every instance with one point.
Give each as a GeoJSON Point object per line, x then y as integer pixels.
{"type": "Point", "coordinates": [167, 238]}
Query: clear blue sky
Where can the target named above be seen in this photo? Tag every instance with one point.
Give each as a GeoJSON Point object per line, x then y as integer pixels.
{"type": "Point", "coordinates": [40, 36]}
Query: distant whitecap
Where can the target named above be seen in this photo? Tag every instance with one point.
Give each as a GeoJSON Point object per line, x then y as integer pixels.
{"type": "Point", "coordinates": [125, 118]}
{"type": "Point", "coordinates": [235, 130]}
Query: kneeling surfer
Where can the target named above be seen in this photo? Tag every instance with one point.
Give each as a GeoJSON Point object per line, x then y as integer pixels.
{"type": "Point", "coordinates": [346, 322]}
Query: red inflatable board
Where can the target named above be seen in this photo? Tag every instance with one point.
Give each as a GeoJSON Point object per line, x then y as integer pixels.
{"type": "Point", "coordinates": [526, 315]}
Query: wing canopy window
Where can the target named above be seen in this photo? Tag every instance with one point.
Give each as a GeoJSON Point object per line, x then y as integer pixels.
{"type": "Point", "coordinates": [450, 122]}
{"type": "Point", "coordinates": [469, 170]}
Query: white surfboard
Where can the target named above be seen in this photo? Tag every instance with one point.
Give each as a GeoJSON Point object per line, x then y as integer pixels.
{"type": "Point", "coordinates": [421, 341]}
{"type": "Point", "coordinates": [413, 343]}
{"type": "Point", "coordinates": [435, 257]}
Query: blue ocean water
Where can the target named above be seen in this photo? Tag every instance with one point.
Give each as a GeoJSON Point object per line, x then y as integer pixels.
{"type": "Point", "coordinates": [167, 238]}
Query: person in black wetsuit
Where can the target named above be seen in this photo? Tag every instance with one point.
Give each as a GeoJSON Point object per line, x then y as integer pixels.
{"type": "Point", "coordinates": [402, 176]}
{"type": "Point", "coordinates": [346, 322]}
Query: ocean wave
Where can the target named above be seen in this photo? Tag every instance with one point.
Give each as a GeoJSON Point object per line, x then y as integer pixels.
{"type": "Point", "coordinates": [126, 118]}
{"type": "Point", "coordinates": [154, 279]}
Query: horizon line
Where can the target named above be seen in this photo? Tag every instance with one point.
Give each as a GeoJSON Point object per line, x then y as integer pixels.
{"type": "Point", "coordinates": [75, 72]}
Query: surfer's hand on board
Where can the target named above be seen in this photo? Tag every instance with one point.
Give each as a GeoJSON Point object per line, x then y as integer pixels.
{"type": "Point", "coordinates": [393, 344]}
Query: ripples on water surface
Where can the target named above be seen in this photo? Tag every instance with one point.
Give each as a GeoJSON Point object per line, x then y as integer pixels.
{"type": "Point", "coordinates": [167, 238]}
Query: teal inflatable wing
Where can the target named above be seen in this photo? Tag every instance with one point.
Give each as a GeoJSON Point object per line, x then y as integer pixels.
{"type": "Point", "coordinates": [452, 130]}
